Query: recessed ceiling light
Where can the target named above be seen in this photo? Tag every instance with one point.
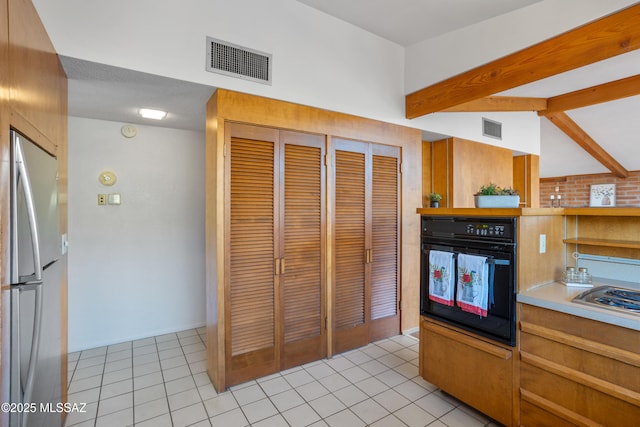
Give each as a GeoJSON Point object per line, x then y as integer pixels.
{"type": "Point", "coordinates": [149, 113]}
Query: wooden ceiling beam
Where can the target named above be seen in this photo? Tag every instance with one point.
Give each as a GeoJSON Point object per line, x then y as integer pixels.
{"type": "Point", "coordinates": [575, 132]}
{"type": "Point", "coordinates": [500, 103]}
{"type": "Point", "coordinates": [601, 39]}
{"type": "Point", "coordinates": [606, 92]}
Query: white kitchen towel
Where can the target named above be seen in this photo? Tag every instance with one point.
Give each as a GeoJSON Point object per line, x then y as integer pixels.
{"type": "Point", "coordinates": [473, 284]}
{"type": "Point", "coordinates": [441, 277]}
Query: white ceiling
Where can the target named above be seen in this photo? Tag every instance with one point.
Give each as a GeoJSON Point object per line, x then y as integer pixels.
{"type": "Point", "coordinates": [413, 21]}
{"type": "Point", "coordinates": [104, 92]}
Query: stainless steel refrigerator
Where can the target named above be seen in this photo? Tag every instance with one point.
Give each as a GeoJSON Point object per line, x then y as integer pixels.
{"type": "Point", "coordinates": [35, 286]}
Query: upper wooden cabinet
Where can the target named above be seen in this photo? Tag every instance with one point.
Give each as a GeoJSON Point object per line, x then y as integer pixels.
{"type": "Point", "coordinates": [275, 288]}
{"type": "Point", "coordinates": [366, 254]}
{"type": "Point", "coordinates": [38, 83]}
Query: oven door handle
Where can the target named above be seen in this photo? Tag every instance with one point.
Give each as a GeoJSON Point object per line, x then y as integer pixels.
{"type": "Point", "coordinates": [493, 261]}
{"type": "Point", "coordinates": [458, 240]}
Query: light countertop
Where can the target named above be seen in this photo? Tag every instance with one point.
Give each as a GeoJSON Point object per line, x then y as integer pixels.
{"type": "Point", "coordinates": [556, 296]}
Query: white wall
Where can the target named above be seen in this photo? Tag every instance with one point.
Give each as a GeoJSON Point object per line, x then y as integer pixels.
{"type": "Point", "coordinates": [317, 60]}
{"type": "Point", "coordinates": [520, 131]}
{"type": "Point", "coordinates": [137, 269]}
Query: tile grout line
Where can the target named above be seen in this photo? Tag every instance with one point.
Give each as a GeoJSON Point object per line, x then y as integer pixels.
{"type": "Point", "coordinates": [356, 357]}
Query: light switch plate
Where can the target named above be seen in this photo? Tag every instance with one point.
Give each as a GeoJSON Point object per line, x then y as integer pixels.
{"type": "Point", "coordinates": [543, 243]}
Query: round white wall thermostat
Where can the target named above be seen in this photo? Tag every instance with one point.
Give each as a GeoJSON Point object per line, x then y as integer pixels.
{"type": "Point", "coordinates": [107, 178]}
{"type": "Point", "coordinates": [129, 131]}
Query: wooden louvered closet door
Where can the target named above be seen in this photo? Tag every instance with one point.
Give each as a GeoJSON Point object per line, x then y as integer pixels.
{"type": "Point", "coordinates": [385, 242]}
{"type": "Point", "coordinates": [351, 299]}
{"type": "Point", "coordinates": [303, 257]}
{"type": "Point", "coordinates": [366, 246]}
{"type": "Point", "coordinates": [250, 289]}
{"type": "Point", "coordinates": [275, 263]}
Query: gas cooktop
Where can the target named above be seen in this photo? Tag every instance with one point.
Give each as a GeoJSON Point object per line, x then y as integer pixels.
{"type": "Point", "coordinates": [612, 298]}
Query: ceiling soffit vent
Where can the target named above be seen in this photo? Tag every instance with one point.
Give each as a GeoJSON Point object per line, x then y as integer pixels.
{"type": "Point", "coordinates": [237, 61]}
{"type": "Point", "coordinates": [491, 128]}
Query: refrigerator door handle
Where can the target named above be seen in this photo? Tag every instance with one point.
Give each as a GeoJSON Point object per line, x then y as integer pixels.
{"type": "Point", "coordinates": [23, 178]}
{"type": "Point", "coordinates": [16, 375]}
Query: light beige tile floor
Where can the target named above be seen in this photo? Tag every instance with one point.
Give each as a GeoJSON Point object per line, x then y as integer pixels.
{"type": "Point", "coordinates": [162, 381]}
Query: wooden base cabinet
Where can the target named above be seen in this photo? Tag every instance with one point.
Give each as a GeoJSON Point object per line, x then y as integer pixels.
{"type": "Point", "coordinates": [576, 371]}
{"type": "Point", "coordinates": [478, 372]}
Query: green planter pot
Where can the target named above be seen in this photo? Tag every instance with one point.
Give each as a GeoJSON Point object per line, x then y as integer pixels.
{"type": "Point", "coordinates": [497, 201]}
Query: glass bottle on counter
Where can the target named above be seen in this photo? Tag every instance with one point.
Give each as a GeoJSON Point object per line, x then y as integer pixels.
{"type": "Point", "coordinates": [570, 275]}
{"type": "Point", "coordinates": [583, 276]}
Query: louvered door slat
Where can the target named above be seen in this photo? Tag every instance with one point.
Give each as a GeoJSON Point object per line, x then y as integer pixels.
{"type": "Point", "coordinates": [349, 309]}
{"type": "Point", "coordinates": [384, 266]}
{"type": "Point", "coordinates": [251, 245]}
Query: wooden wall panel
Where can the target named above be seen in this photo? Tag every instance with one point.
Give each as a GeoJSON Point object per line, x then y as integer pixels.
{"type": "Point", "coordinates": [535, 268]}
{"type": "Point", "coordinates": [477, 164]}
{"type": "Point", "coordinates": [441, 168]}
{"type": "Point", "coordinates": [458, 168]}
{"type": "Point", "coordinates": [214, 247]}
{"type": "Point", "coordinates": [427, 173]}
{"type": "Point", "coordinates": [526, 179]}
{"type": "Point", "coordinates": [38, 89]}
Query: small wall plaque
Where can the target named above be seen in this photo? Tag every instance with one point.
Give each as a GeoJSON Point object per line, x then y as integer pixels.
{"type": "Point", "coordinates": [603, 195]}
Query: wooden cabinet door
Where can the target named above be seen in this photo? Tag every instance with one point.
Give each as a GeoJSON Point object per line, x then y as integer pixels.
{"type": "Point", "coordinates": [351, 221]}
{"type": "Point", "coordinates": [302, 262]}
{"type": "Point", "coordinates": [366, 248]}
{"type": "Point", "coordinates": [384, 256]}
{"type": "Point", "coordinates": [251, 297]}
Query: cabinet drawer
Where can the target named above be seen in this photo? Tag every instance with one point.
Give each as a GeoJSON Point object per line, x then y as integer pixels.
{"type": "Point", "coordinates": [532, 415]}
{"type": "Point", "coordinates": [572, 400]}
{"type": "Point", "coordinates": [474, 371]}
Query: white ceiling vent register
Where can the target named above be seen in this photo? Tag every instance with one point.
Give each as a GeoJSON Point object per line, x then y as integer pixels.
{"type": "Point", "coordinates": [237, 61]}
{"type": "Point", "coordinates": [491, 128]}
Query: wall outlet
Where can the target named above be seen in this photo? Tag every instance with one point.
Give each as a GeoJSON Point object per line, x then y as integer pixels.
{"type": "Point", "coordinates": [102, 199]}
{"type": "Point", "coordinates": [543, 243]}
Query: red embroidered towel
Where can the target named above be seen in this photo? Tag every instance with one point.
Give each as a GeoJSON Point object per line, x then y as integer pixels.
{"type": "Point", "coordinates": [441, 277]}
{"type": "Point", "coordinates": [473, 284]}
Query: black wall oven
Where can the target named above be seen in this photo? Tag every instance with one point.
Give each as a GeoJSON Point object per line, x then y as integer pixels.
{"type": "Point", "coordinates": [493, 238]}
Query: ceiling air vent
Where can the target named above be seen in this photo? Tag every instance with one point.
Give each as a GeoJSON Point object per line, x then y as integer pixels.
{"type": "Point", "coordinates": [237, 61]}
{"type": "Point", "coordinates": [491, 128]}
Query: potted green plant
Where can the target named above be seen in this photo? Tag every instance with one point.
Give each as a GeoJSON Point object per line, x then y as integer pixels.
{"type": "Point", "coordinates": [435, 199]}
{"type": "Point", "coordinates": [494, 196]}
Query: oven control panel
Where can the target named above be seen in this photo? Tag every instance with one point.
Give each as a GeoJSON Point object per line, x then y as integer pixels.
{"type": "Point", "coordinates": [478, 228]}
{"type": "Point", "coordinates": [485, 229]}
